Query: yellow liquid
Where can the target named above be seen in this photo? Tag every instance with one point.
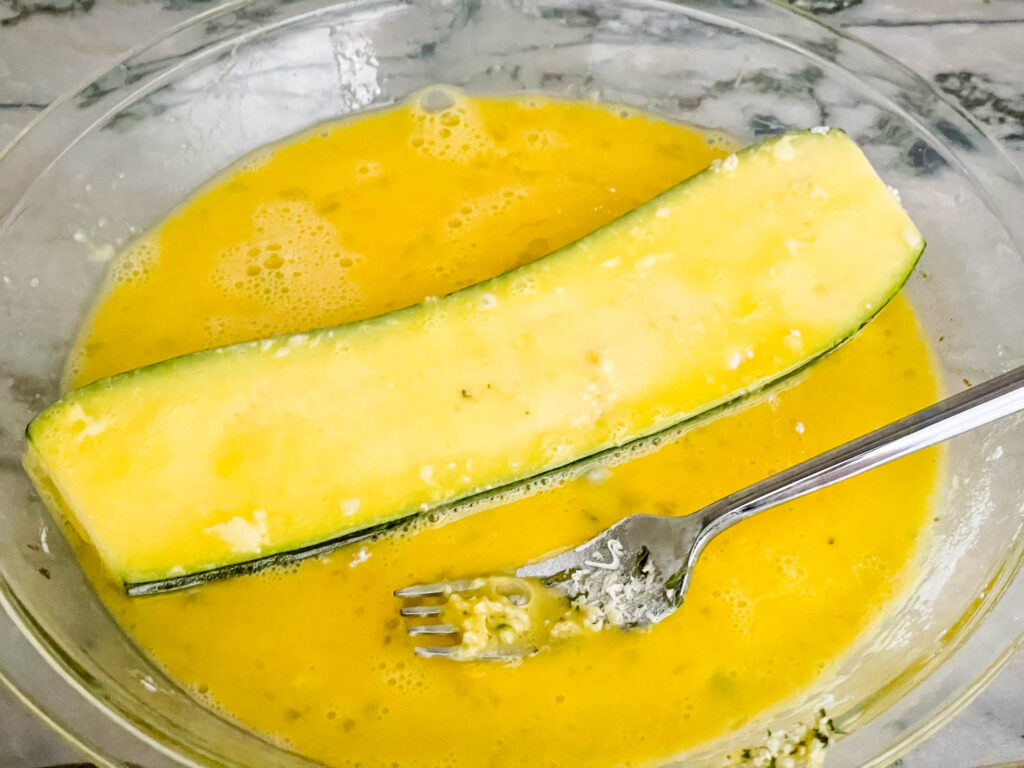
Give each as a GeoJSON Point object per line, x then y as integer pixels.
{"type": "Point", "coordinates": [361, 217]}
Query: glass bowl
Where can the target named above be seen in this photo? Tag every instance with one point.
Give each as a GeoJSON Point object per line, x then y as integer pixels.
{"type": "Point", "coordinates": [110, 159]}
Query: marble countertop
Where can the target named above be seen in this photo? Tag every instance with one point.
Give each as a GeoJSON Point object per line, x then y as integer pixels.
{"type": "Point", "coordinates": [972, 50]}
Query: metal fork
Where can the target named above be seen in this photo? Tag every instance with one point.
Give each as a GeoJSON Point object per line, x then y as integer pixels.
{"type": "Point", "coordinates": [637, 571]}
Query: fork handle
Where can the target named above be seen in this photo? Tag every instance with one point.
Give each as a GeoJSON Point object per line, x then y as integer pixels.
{"type": "Point", "coordinates": [974, 407]}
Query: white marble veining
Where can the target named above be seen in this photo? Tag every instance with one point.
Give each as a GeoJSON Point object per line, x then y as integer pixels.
{"type": "Point", "coordinates": [973, 50]}
{"type": "Point", "coordinates": [908, 13]}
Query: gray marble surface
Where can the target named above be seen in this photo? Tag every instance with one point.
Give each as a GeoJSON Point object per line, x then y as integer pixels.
{"type": "Point", "coordinates": [972, 50]}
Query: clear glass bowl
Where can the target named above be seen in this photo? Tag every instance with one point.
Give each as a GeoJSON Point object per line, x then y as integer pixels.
{"type": "Point", "coordinates": [112, 158]}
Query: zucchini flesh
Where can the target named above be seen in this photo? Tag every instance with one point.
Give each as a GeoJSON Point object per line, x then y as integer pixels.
{"type": "Point", "coordinates": [229, 459]}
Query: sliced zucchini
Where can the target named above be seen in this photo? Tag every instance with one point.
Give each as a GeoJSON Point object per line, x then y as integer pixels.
{"type": "Point", "coordinates": [719, 286]}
